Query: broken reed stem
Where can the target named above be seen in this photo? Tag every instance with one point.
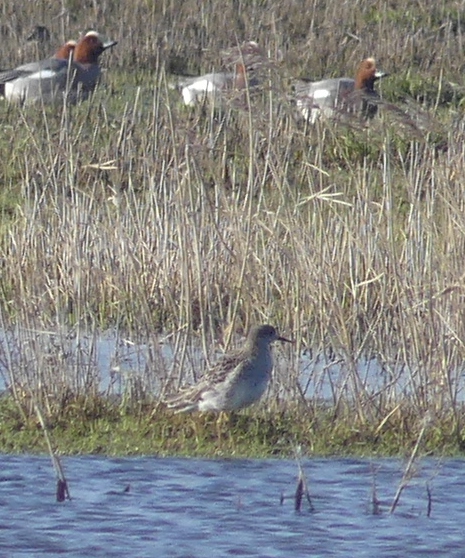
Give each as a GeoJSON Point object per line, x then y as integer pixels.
{"type": "Point", "coordinates": [430, 500]}
{"type": "Point", "coordinates": [62, 485]}
{"type": "Point", "coordinates": [408, 473]}
{"type": "Point", "coordinates": [302, 485]}
{"type": "Point", "coordinates": [299, 494]}
{"type": "Point", "coordinates": [375, 503]}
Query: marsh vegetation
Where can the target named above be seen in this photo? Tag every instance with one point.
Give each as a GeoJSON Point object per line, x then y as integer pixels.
{"type": "Point", "coordinates": [134, 214]}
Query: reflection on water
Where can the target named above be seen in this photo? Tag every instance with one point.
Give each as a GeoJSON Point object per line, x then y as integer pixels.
{"type": "Point", "coordinates": [192, 507]}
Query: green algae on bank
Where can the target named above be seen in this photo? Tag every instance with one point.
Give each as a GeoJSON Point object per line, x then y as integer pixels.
{"type": "Point", "coordinates": [97, 426]}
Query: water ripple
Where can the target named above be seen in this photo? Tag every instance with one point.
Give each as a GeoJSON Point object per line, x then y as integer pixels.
{"type": "Point", "coordinates": [145, 507]}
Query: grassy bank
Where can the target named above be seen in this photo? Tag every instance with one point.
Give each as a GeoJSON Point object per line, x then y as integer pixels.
{"type": "Point", "coordinates": [95, 426]}
{"type": "Point", "coordinates": [133, 213]}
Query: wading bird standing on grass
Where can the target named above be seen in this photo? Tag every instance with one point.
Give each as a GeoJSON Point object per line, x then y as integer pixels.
{"type": "Point", "coordinates": [238, 380]}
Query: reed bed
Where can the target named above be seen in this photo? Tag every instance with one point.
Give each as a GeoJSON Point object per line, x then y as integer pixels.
{"type": "Point", "coordinates": [134, 214]}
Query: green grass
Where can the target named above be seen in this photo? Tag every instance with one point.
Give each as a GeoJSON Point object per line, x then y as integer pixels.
{"type": "Point", "coordinates": [93, 426]}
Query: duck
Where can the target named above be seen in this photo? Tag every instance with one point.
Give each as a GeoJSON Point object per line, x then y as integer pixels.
{"type": "Point", "coordinates": [331, 96]}
{"type": "Point", "coordinates": [197, 89]}
{"type": "Point", "coordinates": [244, 59]}
{"type": "Point", "coordinates": [58, 60]}
{"type": "Point", "coordinates": [73, 70]}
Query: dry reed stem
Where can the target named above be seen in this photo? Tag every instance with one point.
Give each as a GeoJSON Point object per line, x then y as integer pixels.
{"type": "Point", "coordinates": [62, 483]}
{"type": "Point", "coordinates": [137, 212]}
{"type": "Point", "coordinates": [409, 468]}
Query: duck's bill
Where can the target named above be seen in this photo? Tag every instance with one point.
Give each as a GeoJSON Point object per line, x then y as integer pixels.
{"type": "Point", "coordinates": [109, 44]}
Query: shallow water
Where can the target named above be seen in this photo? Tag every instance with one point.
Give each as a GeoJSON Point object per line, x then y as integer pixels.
{"type": "Point", "coordinates": [115, 366]}
{"type": "Point", "coordinates": [192, 507]}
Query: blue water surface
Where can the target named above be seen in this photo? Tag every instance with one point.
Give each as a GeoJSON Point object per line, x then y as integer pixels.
{"type": "Point", "coordinates": [147, 507]}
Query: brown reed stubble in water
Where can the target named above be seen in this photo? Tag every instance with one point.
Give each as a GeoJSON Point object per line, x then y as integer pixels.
{"type": "Point", "coordinates": [136, 211]}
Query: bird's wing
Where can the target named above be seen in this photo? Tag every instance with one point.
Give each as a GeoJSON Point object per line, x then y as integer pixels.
{"type": "Point", "coordinates": [50, 65]}
{"type": "Point", "coordinates": [188, 397]}
{"type": "Point", "coordinates": [223, 368]}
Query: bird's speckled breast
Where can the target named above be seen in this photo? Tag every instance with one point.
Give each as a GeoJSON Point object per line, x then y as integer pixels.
{"type": "Point", "coordinates": [253, 382]}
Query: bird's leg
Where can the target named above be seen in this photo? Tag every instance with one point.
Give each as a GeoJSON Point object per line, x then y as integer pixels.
{"type": "Point", "coordinates": [195, 429]}
{"type": "Point", "coordinates": [221, 421]}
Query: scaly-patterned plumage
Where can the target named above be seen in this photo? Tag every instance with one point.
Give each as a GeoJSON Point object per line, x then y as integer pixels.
{"type": "Point", "coordinates": [238, 380]}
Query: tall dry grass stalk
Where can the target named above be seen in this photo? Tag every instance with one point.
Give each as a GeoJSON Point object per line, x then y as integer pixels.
{"type": "Point", "coordinates": [138, 214]}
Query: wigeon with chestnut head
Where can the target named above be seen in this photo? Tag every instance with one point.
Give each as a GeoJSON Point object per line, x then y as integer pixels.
{"type": "Point", "coordinates": [86, 68]}
{"type": "Point", "coordinates": [23, 82]}
{"type": "Point", "coordinates": [73, 72]}
{"type": "Point", "coordinates": [66, 51]}
{"type": "Point", "coordinates": [329, 97]}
